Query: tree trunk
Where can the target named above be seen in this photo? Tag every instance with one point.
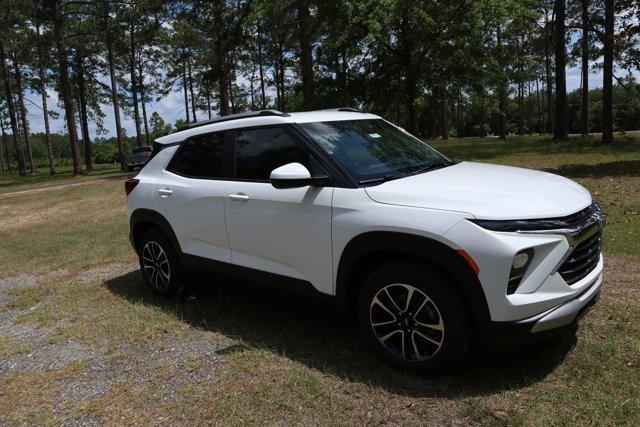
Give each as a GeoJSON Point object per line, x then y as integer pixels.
{"type": "Point", "coordinates": [559, 33]}
{"type": "Point", "coordinates": [232, 95]}
{"type": "Point", "coordinates": [65, 87]}
{"type": "Point", "coordinates": [547, 61]}
{"type": "Point", "coordinates": [184, 89]}
{"type": "Point", "coordinates": [502, 93]}
{"type": "Point", "coordinates": [143, 95]}
{"type": "Point", "coordinates": [6, 147]}
{"type": "Point", "coordinates": [10, 107]}
{"type": "Point", "coordinates": [2, 162]}
{"type": "Point", "coordinates": [223, 83]}
{"type": "Point", "coordinates": [84, 120]}
{"type": "Point", "coordinates": [584, 98]}
{"type": "Point", "coordinates": [607, 69]}
{"type": "Point", "coordinates": [444, 110]}
{"type": "Point", "coordinates": [306, 58]}
{"type": "Point", "coordinates": [252, 88]}
{"type": "Point", "coordinates": [520, 109]}
{"type": "Point", "coordinates": [18, 121]}
{"type": "Point", "coordinates": [529, 109]}
{"type": "Point", "coordinates": [261, 70]}
{"type": "Point", "coordinates": [193, 98]}
{"type": "Point", "coordinates": [134, 80]}
{"type": "Point", "coordinates": [114, 90]}
{"type": "Point", "coordinates": [23, 115]}
{"type": "Point", "coordinates": [279, 76]}
{"type": "Point", "coordinates": [539, 106]}
{"type": "Point", "coordinates": [483, 117]}
{"type": "Point", "coordinates": [45, 110]}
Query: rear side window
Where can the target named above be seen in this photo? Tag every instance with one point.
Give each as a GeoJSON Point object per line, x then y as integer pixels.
{"type": "Point", "coordinates": [200, 157]}
{"type": "Point", "coordinates": [259, 151]}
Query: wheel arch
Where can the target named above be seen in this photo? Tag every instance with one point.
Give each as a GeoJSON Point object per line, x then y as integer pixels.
{"type": "Point", "coordinates": [369, 250]}
{"type": "Point", "coordinates": [143, 220]}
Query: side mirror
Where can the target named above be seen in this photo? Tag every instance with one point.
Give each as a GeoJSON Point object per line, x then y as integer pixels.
{"type": "Point", "coordinates": [295, 175]}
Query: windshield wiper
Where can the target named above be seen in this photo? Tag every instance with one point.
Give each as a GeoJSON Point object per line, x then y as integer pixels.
{"type": "Point", "coordinates": [429, 167]}
{"type": "Point", "coordinates": [379, 179]}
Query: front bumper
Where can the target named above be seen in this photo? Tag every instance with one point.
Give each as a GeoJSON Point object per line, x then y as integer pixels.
{"type": "Point", "coordinates": [566, 313]}
{"type": "Point", "coordinates": [554, 321]}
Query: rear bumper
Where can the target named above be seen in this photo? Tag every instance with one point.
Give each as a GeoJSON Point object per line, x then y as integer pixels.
{"type": "Point", "coordinates": [554, 321]}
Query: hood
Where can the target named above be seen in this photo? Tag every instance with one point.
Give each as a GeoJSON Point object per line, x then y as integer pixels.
{"type": "Point", "coordinates": [487, 192]}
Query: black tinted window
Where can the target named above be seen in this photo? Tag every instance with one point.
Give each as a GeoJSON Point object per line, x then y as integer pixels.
{"type": "Point", "coordinates": [200, 157]}
{"type": "Point", "coordinates": [259, 151]}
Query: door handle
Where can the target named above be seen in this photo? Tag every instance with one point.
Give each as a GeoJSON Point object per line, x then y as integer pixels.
{"type": "Point", "coordinates": [165, 192]}
{"type": "Point", "coordinates": [239, 197]}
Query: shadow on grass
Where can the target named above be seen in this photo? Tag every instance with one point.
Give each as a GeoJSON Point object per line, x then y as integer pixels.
{"type": "Point", "coordinates": [310, 332]}
{"type": "Point", "coordinates": [599, 170]}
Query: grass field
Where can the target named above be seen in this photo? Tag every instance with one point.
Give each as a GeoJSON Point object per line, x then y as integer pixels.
{"type": "Point", "coordinates": [83, 341]}
{"type": "Point", "coordinates": [10, 181]}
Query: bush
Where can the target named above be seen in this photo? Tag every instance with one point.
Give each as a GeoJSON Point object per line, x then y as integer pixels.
{"type": "Point", "coordinates": [105, 153]}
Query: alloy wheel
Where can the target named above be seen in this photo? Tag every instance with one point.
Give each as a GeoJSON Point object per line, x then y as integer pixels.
{"type": "Point", "coordinates": [156, 265]}
{"type": "Point", "coordinates": [406, 322]}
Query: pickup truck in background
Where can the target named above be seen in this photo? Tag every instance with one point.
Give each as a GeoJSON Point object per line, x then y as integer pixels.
{"type": "Point", "coordinates": [138, 158]}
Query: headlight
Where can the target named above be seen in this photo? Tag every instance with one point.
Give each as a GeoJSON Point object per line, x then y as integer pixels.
{"type": "Point", "coordinates": [567, 223]}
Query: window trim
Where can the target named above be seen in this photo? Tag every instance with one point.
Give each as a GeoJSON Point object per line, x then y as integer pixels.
{"type": "Point", "coordinates": [224, 170]}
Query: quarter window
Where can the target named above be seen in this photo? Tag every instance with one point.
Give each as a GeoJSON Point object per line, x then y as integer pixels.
{"type": "Point", "coordinates": [200, 157]}
{"type": "Point", "coordinates": [260, 151]}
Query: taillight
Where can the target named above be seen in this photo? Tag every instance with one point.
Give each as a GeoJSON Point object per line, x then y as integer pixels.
{"type": "Point", "coordinates": [129, 185]}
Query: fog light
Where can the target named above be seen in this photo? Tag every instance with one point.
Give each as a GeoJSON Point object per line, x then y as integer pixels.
{"type": "Point", "coordinates": [518, 268]}
{"type": "Point", "coordinates": [520, 260]}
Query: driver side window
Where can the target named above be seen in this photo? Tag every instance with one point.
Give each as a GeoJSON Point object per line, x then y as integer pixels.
{"type": "Point", "coordinates": [260, 151]}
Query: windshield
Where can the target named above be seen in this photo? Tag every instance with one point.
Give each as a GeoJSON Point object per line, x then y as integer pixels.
{"type": "Point", "coordinates": [374, 150]}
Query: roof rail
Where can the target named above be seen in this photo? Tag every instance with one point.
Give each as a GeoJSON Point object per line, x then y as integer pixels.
{"type": "Point", "coordinates": [245, 115]}
{"type": "Point", "coordinates": [349, 109]}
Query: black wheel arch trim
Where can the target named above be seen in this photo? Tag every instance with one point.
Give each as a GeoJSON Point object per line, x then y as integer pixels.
{"type": "Point", "coordinates": [144, 215]}
{"type": "Point", "coordinates": [413, 246]}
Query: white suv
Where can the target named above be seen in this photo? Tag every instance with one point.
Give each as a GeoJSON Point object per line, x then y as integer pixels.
{"type": "Point", "coordinates": [427, 253]}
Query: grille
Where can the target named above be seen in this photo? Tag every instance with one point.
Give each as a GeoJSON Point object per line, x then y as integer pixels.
{"type": "Point", "coordinates": [582, 260]}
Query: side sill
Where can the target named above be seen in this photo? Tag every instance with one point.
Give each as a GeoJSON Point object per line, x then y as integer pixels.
{"type": "Point", "coordinates": [201, 267]}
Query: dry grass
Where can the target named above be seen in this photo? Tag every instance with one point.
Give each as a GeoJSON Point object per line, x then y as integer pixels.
{"type": "Point", "coordinates": [10, 181]}
{"type": "Point", "coordinates": [88, 343]}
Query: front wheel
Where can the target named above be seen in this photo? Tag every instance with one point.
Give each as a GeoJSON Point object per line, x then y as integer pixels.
{"type": "Point", "coordinates": [413, 317]}
{"type": "Point", "coordinates": [159, 263]}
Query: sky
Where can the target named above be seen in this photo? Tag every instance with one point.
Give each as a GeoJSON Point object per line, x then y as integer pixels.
{"type": "Point", "coordinates": [171, 108]}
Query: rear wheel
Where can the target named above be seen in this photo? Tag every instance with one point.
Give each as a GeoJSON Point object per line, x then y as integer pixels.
{"type": "Point", "coordinates": [413, 317]}
{"type": "Point", "coordinates": [159, 263]}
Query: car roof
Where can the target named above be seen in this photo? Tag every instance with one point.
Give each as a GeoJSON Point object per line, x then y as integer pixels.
{"type": "Point", "coordinates": [263, 118]}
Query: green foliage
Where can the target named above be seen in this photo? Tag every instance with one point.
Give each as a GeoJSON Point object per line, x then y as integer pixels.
{"type": "Point", "coordinates": [105, 153]}
{"type": "Point", "coordinates": [462, 67]}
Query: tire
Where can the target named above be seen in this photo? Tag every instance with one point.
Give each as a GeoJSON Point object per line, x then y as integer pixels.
{"type": "Point", "coordinates": [159, 263]}
{"type": "Point", "coordinates": [434, 326]}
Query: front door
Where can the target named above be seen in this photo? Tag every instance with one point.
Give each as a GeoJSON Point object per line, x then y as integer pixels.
{"type": "Point", "coordinates": [281, 231]}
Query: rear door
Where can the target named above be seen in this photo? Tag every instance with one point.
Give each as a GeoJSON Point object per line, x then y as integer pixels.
{"type": "Point", "coordinates": [190, 195]}
{"type": "Point", "coordinates": [281, 231]}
